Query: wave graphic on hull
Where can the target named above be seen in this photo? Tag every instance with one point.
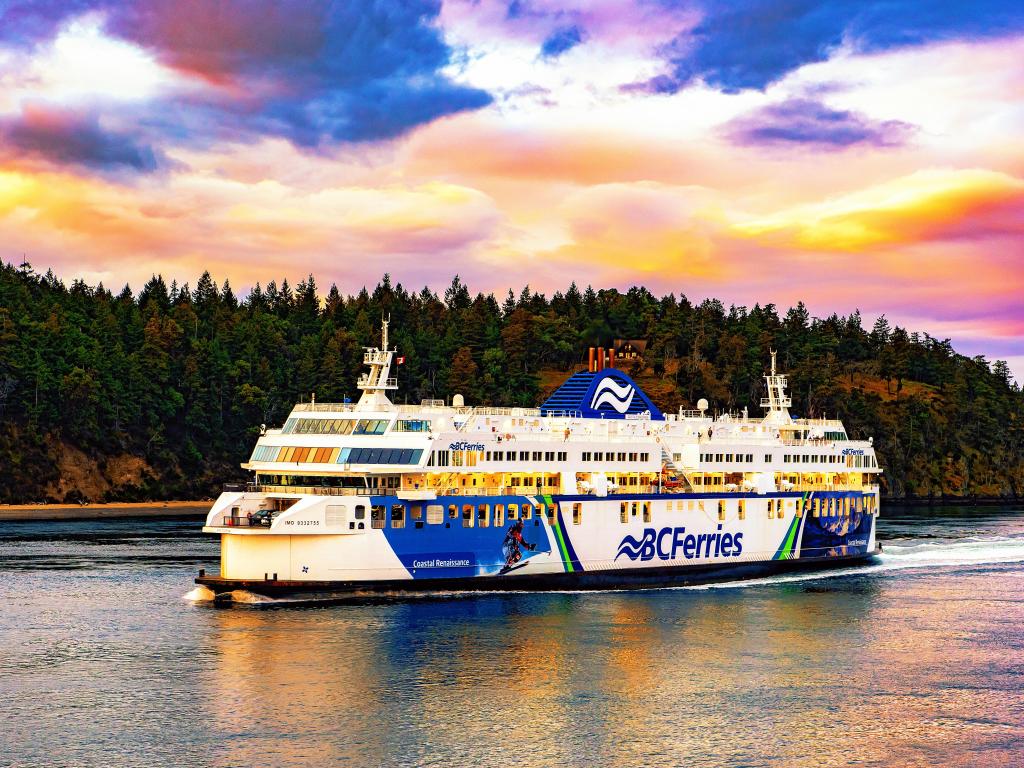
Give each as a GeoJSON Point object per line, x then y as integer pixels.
{"type": "Point", "coordinates": [630, 547]}
{"type": "Point", "coordinates": [618, 396]}
{"type": "Point", "coordinates": [966, 554]}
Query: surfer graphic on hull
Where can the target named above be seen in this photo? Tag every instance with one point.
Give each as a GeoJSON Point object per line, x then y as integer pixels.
{"type": "Point", "coordinates": [512, 547]}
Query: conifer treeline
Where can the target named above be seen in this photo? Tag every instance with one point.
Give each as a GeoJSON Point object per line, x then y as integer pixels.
{"type": "Point", "coordinates": [183, 377]}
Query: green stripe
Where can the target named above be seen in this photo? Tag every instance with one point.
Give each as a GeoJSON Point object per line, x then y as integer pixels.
{"type": "Point", "coordinates": [787, 546]}
{"type": "Point", "coordinates": [558, 535]}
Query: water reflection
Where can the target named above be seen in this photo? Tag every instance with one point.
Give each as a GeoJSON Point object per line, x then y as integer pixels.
{"type": "Point", "coordinates": [105, 664]}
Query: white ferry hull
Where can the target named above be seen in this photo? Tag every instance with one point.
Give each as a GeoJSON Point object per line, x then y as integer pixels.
{"type": "Point", "coordinates": [580, 542]}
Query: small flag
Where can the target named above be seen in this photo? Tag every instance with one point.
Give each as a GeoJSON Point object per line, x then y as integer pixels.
{"type": "Point", "coordinates": [400, 360]}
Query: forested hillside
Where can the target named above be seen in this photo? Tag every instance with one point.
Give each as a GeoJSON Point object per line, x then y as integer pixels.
{"type": "Point", "coordinates": [115, 396]}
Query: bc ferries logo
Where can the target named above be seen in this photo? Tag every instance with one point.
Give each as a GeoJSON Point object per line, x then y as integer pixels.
{"type": "Point", "coordinates": [667, 543]}
{"type": "Point", "coordinates": [464, 446]}
{"type": "Point", "coordinates": [618, 396]}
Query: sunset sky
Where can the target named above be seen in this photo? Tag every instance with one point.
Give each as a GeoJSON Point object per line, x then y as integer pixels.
{"type": "Point", "coordinates": [850, 153]}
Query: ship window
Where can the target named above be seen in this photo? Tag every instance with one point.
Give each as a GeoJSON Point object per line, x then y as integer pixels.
{"type": "Point", "coordinates": [549, 455]}
{"type": "Point", "coordinates": [634, 508]}
{"type": "Point", "coordinates": [750, 458]}
{"type": "Point", "coordinates": [622, 457]}
{"type": "Point", "coordinates": [416, 512]}
{"type": "Point", "coordinates": [562, 456]}
{"type": "Point", "coordinates": [586, 456]}
{"type": "Point", "coordinates": [552, 510]}
{"type": "Point", "coordinates": [487, 456]}
{"type": "Point", "coordinates": [499, 515]}
{"type": "Point", "coordinates": [817, 507]}
{"type": "Point", "coordinates": [718, 457]}
{"type": "Point", "coordinates": [721, 510]}
{"type": "Point", "coordinates": [467, 516]}
{"type": "Point", "coordinates": [645, 457]}
{"type": "Point", "coordinates": [632, 457]}
{"type": "Point", "coordinates": [768, 458]}
{"type": "Point", "coordinates": [398, 516]}
{"type": "Point", "coordinates": [599, 456]}
{"type": "Point", "coordinates": [647, 511]}
{"type": "Point", "coordinates": [577, 513]}
{"type": "Point", "coordinates": [377, 516]}
{"type": "Point", "coordinates": [527, 511]}
{"type": "Point", "coordinates": [742, 504]}
{"type": "Point", "coordinates": [779, 505]}
{"type": "Point", "coordinates": [524, 455]}
{"type": "Point", "coordinates": [728, 457]}
{"type": "Point", "coordinates": [623, 515]}
{"type": "Point", "coordinates": [536, 455]}
{"type": "Point", "coordinates": [435, 514]}
{"type": "Point", "coordinates": [483, 515]}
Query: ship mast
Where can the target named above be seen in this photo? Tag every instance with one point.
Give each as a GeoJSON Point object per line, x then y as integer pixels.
{"type": "Point", "coordinates": [376, 382]}
{"type": "Point", "coordinates": [778, 402]}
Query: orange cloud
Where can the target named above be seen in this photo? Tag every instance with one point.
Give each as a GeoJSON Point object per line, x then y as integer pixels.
{"type": "Point", "coordinates": [926, 205]}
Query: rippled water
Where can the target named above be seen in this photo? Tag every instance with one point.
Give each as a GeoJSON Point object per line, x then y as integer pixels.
{"type": "Point", "coordinates": [917, 660]}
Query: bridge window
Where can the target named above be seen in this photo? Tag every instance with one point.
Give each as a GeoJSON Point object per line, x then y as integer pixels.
{"type": "Point", "coordinates": [398, 516]}
{"type": "Point", "coordinates": [577, 513]}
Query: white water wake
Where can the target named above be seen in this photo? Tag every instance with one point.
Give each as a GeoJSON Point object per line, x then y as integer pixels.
{"type": "Point", "coordinates": [971, 552]}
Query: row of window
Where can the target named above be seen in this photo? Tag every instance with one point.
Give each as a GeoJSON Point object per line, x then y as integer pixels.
{"type": "Point", "coordinates": [732, 457]}
{"type": "Point", "coordinates": [470, 458]}
{"type": "Point", "coordinates": [470, 515]}
{"type": "Point", "coordinates": [335, 426]}
{"type": "Point", "coordinates": [615, 456]}
{"type": "Point", "coordinates": [485, 515]}
{"type": "Point", "coordinates": [300, 455]}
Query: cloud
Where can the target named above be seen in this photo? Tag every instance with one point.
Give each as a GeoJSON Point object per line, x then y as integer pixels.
{"type": "Point", "coordinates": [73, 138]}
{"type": "Point", "coordinates": [311, 71]}
{"type": "Point", "coordinates": [807, 122]}
{"type": "Point", "coordinates": [753, 43]}
{"type": "Point", "coordinates": [561, 40]}
{"type": "Point", "coordinates": [930, 205]}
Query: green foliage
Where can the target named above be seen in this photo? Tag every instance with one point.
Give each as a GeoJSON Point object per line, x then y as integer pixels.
{"type": "Point", "coordinates": [183, 378]}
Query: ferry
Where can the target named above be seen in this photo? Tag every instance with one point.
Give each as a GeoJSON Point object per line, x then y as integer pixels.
{"type": "Point", "coordinates": [595, 489]}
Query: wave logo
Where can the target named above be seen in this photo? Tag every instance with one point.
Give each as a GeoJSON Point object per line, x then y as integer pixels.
{"type": "Point", "coordinates": [610, 392]}
{"type": "Point", "coordinates": [633, 548]}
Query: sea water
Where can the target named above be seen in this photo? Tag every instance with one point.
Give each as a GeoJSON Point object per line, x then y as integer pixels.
{"type": "Point", "coordinates": [110, 656]}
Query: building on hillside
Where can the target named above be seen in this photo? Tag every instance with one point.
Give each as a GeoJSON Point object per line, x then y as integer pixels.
{"type": "Point", "coordinates": [630, 349]}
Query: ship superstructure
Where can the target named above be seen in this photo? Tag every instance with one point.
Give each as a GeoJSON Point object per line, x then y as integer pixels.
{"type": "Point", "coordinates": [595, 488]}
